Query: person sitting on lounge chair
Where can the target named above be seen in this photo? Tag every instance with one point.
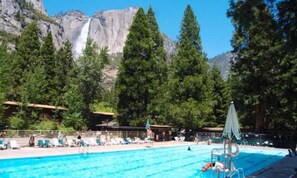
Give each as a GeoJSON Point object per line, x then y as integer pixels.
{"type": "Point", "coordinates": [80, 142]}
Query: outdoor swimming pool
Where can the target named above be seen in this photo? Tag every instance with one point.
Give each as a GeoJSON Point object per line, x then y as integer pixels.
{"type": "Point", "coordinates": [151, 162]}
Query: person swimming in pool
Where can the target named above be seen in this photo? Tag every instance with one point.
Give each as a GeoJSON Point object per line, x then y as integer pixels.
{"type": "Point", "coordinates": [217, 165]}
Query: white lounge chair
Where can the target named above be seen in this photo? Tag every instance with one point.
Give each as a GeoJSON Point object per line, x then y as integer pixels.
{"type": "Point", "coordinates": [56, 142]}
{"type": "Point", "coordinates": [182, 139]}
{"type": "Point", "coordinates": [138, 140]}
{"type": "Point", "coordinates": [176, 139]}
{"type": "Point", "coordinates": [71, 142]}
{"type": "Point", "coordinates": [92, 142]}
{"type": "Point", "coordinates": [14, 145]}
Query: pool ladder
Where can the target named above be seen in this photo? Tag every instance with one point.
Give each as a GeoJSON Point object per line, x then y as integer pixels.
{"type": "Point", "coordinates": [215, 156]}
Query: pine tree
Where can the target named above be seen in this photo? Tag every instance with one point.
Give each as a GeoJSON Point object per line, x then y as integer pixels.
{"type": "Point", "coordinates": [255, 66]}
{"type": "Point", "coordinates": [189, 83]}
{"type": "Point", "coordinates": [27, 57]}
{"type": "Point", "coordinates": [136, 75]}
{"type": "Point", "coordinates": [220, 97]}
{"type": "Point", "coordinates": [47, 53]}
{"type": "Point", "coordinates": [64, 69]}
{"type": "Point", "coordinates": [28, 47]}
{"type": "Point", "coordinates": [160, 67]}
{"type": "Point", "coordinates": [5, 73]}
{"type": "Point", "coordinates": [287, 16]}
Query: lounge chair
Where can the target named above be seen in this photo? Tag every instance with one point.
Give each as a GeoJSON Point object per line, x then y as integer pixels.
{"type": "Point", "coordinates": [14, 145]}
{"type": "Point", "coordinates": [40, 143]}
{"type": "Point", "coordinates": [71, 142]}
{"type": "Point", "coordinates": [47, 143]}
{"type": "Point", "coordinates": [100, 141]}
{"type": "Point", "coordinates": [2, 145]}
{"type": "Point", "coordinates": [138, 140]}
{"type": "Point", "coordinates": [93, 142]}
{"type": "Point", "coordinates": [127, 140]}
{"type": "Point", "coordinates": [56, 143]}
{"type": "Point", "coordinates": [176, 139]}
{"type": "Point", "coordinates": [182, 138]}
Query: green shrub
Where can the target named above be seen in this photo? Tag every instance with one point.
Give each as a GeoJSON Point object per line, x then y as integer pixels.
{"type": "Point", "coordinates": [45, 125]}
{"type": "Point", "coordinates": [16, 123]}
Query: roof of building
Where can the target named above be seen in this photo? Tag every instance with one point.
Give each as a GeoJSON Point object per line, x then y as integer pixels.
{"type": "Point", "coordinates": [35, 105]}
{"type": "Point", "coordinates": [51, 107]}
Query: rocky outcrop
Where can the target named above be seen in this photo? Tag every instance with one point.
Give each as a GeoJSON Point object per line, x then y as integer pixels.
{"type": "Point", "coordinates": [8, 17]}
{"type": "Point", "coordinates": [16, 14]}
{"type": "Point", "coordinates": [223, 62]}
{"type": "Point", "coordinates": [110, 28]}
{"type": "Point", "coordinates": [37, 5]}
{"type": "Point", "coordinates": [169, 45]}
{"type": "Point", "coordinates": [107, 28]}
{"type": "Point", "coordinates": [72, 23]}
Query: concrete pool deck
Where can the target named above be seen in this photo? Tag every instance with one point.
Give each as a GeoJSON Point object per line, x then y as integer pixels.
{"type": "Point", "coordinates": [53, 151]}
{"type": "Point", "coordinates": [285, 168]}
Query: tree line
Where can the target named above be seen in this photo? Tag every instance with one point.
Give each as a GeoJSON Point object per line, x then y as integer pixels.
{"type": "Point", "coordinates": [182, 91]}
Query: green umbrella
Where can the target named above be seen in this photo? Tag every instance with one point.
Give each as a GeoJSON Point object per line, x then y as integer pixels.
{"type": "Point", "coordinates": [231, 128]}
{"type": "Point", "coordinates": [232, 125]}
{"type": "Point", "coordinates": [147, 125]}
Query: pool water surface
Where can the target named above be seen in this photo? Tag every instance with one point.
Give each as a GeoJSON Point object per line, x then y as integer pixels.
{"type": "Point", "coordinates": [150, 162]}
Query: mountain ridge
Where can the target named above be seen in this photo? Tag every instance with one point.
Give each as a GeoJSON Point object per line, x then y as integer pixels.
{"type": "Point", "coordinates": [222, 61]}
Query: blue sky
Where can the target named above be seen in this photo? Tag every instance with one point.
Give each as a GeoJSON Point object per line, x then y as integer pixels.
{"type": "Point", "coordinates": [215, 28]}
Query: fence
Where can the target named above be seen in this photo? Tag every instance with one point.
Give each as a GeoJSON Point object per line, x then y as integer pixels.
{"type": "Point", "coordinates": [272, 140]}
{"type": "Point", "coordinates": [23, 136]}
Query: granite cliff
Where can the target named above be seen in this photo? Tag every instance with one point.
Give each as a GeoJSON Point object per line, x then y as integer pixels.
{"type": "Point", "coordinates": [15, 14]}
{"type": "Point", "coordinates": [106, 28]}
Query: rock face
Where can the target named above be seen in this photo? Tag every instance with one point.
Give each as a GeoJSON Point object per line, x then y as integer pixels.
{"type": "Point", "coordinates": [72, 23]}
{"type": "Point", "coordinates": [169, 45]}
{"type": "Point", "coordinates": [8, 17]}
{"type": "Point", "coordinates": [106, 28]}
{"type": "Point", "coordinates": [37, 5]}
{"type": "Point", "coordinates": [15, 14]}
{"type": "Point", "coordinates": [222, 61]}
{"type": "Point", "coordinates": [110, 28]}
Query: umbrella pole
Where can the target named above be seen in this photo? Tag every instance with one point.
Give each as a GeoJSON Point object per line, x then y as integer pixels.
{"type": "Point", "coordinates": [225, 158]}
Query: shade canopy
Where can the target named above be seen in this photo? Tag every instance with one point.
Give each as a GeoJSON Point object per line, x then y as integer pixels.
{"type": "Point", "coordinates": [147, 125]}
{"type": "Point", "coordinates": [231, 126]}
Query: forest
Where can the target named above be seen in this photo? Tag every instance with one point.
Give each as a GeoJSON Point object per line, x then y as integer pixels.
{"type": "Point", "coordinates": [180, 90]}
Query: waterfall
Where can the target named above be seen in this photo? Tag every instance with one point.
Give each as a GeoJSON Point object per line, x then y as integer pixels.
{"type": "Point", "coordinates": [81, 41]}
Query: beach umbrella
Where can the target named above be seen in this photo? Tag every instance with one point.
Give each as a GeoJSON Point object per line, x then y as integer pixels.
{"type": "Point", "coordinates": [147, 125]}
{"type": "Point", "coordinates": [231, 129]}
{"type": "Point", "coordinates": [231, 126]}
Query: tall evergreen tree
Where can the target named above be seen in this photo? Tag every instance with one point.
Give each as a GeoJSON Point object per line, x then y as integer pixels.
{"type": "Point", "coordinates": [47, 53]}
{"type": "Point", "coordinates": [5, 73]}
{"type": "Point", "coordinates": [160, 67]}
{"type": "Point", "coordinates": [90, 69]}
{"type": "Point", "coordinates": [255, 66]}
{"type": "Point", "coordinates": [27, 56]}
{"type": "Point", "coordinates": [136, 75]}
{"type": "Point", "coordinates": [287, 16]}
{"type": "Point", "coordinates": [64, 69]}
{"type": "Point", "coordinates": [189, 83]}
{"type": "Point", "coordinates": [28, 47]}
{"type": "Point", "coordinates": [220, 97]}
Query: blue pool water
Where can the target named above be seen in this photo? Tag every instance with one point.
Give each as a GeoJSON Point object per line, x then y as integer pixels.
{"type": "Point", "coordinates": [151, 162]}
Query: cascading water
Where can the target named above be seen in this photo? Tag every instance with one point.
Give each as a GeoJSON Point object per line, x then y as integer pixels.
{"type": "Point", "coordinates": [81, 41]}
